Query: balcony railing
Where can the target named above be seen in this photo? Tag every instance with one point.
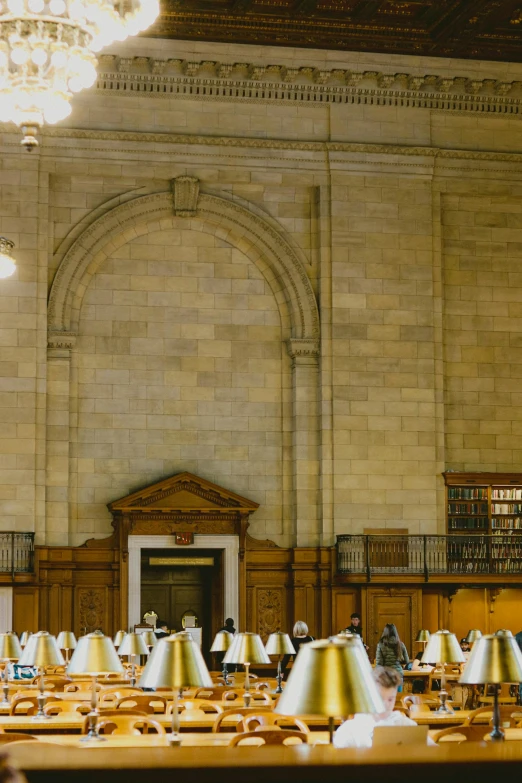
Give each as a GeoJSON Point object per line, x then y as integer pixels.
{"type": "Point", "coordinates": [16, 553]}
{"type": "Point", "coordinates": [429, 555]}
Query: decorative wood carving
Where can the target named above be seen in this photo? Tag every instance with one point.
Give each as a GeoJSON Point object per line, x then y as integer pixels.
{"type": "Point", "coordinates": [91, 608]}
{"type": "Point", "coordinates": [269, 611]}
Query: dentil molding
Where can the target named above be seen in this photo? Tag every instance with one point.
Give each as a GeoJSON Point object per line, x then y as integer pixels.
{"type": "Point", "coordinates": [211, 79]}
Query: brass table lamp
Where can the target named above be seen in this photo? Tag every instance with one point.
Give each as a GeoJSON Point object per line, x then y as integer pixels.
{"type": "Point", "coordinates": [246, 648]}
{"type": "Point", "coordinates": [279, 644]}
{"type": "Point", "coordinates": [330, 679]}
{"type": "Point", "coordinates": [119, 637]}
{"type": "Point", "coordinates": [423, 638]}
{"type": "Point", "coordinates": [10, 650]}
{"type": "Point", "coordinates": [493, 660]}
{"type": "Point", "coordinates": [443, 648]}
{"type": "Point", "coordinates": [473, 636]}
{"type": "Point", "coordinates": [41, 650]}
{"type": "Point", "coordinates": [94, 655]}
{"type": "Point", "coordinates": [66, 641]}
{"type": "Point", "coordinates": [24, 638]}
{"type": "Point", "coordinates": [133, 645]}
{"type": "Point", "coordinates": [175, 662]}
{"type": "Point", "coordinates": [150, 639]}
{"type": "Point", "coordinates": [221, 643]}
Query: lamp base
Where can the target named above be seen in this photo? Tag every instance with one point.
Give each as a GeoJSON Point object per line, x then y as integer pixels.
{"type": "Point", "coordinates": [174, 740]}
{"type": "Point", "coordinates": [497, 735]}
{"type": "Point", "coordinates": [93, 736]}
{"type": "Point", "coordinates": [443, 709]}
{"type": "Point", "coordinates": [41, 716]}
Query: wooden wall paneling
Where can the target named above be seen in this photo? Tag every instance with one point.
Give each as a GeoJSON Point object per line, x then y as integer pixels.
{"type": "Point", "coordinates": [469, 609]}
{"type": "Point", "coordinates": [504, 610]}
{"type": "Point", "coordinates": [344, 602]}
{"type": "Point", "coordinates": [393, 605]}
{"type": "Point", "coordinates": [25, 608]}
{"type": "Point", "coordinates": [429, 617]}
{"type": "Point", "coordinates": [91, 609]}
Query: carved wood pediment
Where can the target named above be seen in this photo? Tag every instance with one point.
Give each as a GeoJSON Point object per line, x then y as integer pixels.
{"type": "Point", "coordinates": [183, 494]}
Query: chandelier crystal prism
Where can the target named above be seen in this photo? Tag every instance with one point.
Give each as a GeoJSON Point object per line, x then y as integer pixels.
{"type": "Point", "coordinates": [48, 52]}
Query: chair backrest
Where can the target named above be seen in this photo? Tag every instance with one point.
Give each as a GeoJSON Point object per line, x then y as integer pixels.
{"type": "Point", "coordinates": [113, 695]}
{"type": "Point", "coordinates": [57, 707]}
{"type": "Point", "coordinates": [418, 709]}
{"type": "Point", "coordinates": [81, 685]}
{"type": "Point", "coordinates": [272, 736]}
{"type": "Point", "coordinates": [149, 703]}
{"type": "Point", "coordinates": [417, 699]}
{"type": "Point", "coordinates": [126, 724]}
{"type": "Point", "coordinates": [510, 715]}
{"type": "Point", "coordinates": [196, 709]}
{"type": "Point", "coordinates": [236, 712]}
{"type": "Point", "coordinates": [467, 733]}
{"type": "Point", "coordinates": [263, 720]}
{"type": "Point", "coordinates": [217, 692]}
{"type": "Point", "coordinates": [55, 682]}
{"type": "Point", "coordinates": [24, 705]}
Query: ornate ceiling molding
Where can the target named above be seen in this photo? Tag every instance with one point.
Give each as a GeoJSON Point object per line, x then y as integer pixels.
{"type": "Point", "coordinates": [240, 81]}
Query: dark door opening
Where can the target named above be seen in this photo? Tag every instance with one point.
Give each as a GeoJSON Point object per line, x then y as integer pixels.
{"type": "Point", "coordinates": [173, 583]}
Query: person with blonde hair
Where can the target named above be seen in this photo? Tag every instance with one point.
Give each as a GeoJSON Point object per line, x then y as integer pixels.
{"type": "Point", "coordinates": [300, 636]}
{"type": "Point", "coordinates": [358, 731]}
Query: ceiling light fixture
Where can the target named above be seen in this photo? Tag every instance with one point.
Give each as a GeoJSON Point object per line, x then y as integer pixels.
{"type": "Point", "coordinates": [7, 264]}
{"type": "Point", "coordinates": [48, 52]}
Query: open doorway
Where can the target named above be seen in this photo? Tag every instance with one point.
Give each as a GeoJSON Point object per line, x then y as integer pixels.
{"type": "Point", "coordinates": [172, 584]}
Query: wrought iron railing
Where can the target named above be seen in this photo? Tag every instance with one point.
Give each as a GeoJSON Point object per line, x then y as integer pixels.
{"type": "Point", "coordinates": [429, 555]}
{"type": "Point", "coordinates": [16, 553]}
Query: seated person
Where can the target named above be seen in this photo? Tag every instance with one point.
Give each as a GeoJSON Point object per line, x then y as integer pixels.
{"type": "Point", "coordinates": [418, 666]}
{"type": "Point", "coordinates": [465, 647]}
{"type": "Point", "coordinates": [358, 732]}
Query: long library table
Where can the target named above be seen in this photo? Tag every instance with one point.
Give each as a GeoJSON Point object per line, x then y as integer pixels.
{"type": "Point", "coordinates": [188, 740]}
{"type": "Point", "coordinates": [451, 762]}
{"type": "Point", "coordinates": [73, 724]}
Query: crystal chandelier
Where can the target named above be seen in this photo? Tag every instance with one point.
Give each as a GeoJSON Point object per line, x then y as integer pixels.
{"type": "Point", "coordinates": [7, 265]}
{"type": "Point", "coordinates": [48, 52]}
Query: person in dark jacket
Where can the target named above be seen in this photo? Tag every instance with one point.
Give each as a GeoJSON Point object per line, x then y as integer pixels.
{"type": "Point", "coordinates": [300, 636]}
{"type": "Point", "coordinates": [162, 629]}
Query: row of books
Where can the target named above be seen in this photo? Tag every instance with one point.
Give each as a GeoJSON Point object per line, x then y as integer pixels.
{"type": "Point", "coordinates": [468, 493]}
{"type": "Point", "coordinates": [510, 493]}
{"type": "Point", "coordinates": [468, 508]}
{"type": "Point", "coordinates": [506, 508]}
{"type": "Point", "coordinates": [468, 523]}
{"type": "Point", "coordinates": [507, 523]}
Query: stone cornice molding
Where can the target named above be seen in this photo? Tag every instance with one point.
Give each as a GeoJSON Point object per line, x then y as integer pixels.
{"type": "Point", "coordinates": [432, 154]}
{"type": "Point", "coordinates": [209, 79]}
{"type": "Point", "coordinates": [266, 246]}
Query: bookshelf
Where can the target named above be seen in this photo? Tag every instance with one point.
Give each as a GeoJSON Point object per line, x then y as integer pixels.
{"type": "Point", "coordinates": [488, 504]}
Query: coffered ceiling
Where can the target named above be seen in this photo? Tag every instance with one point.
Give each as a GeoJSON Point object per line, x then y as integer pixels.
{"type": "Point", "coordinates": [476, 29]}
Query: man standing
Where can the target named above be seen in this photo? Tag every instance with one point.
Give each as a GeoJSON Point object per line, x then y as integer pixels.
{"type": "Point", "coordinates": [356, 627]}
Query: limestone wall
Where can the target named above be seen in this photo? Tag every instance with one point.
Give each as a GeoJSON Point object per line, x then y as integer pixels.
{"type": "Point", "coordinates": [327, 322]}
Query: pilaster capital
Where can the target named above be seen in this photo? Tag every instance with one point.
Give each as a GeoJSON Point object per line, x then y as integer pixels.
{"type": "Point", "coordinates": [304, 350]}
{"type": "Point", "coordinates": [60, 344]}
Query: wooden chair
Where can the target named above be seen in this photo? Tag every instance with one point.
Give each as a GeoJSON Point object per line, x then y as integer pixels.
{"type": "Point", "coordinates": [126, 724]}
{"type": "Point", "coordinates": [81, 685]}
{"type": "Point", "coordinates": [416, 710]}
{"type": "Point", "coordinates": [264, 720]}
{"type": "Point", "coordinates": [238, 712]}
{"type": "Point", "coordinates": [266, 685]}
{"type": "Point", "coordinates": [272, 736]}
{"type": "Point", "coordinates": [26, 705]}
{"type": "Point", "coordinates": [56, 707]}
{"type": "Point", "coordinates": [16, 737]}
{"type": "Point", "coordinates": [217, 692]}
{"type": "Point", "coordinates": [147, 703]}
{"type": "Point", "coordinates": [196, 709]}
{"type": "Point", "coordinates": [53, 682]}
{"type": "Point", "coordinates": [113, 695]}
{"type": "Point", "coordinates": [259, 696]}
{"type": "Point", "coordinates": [467, 733]}
{"type": "Point", "coordinates": [510, 715]}
{"type": "Point", "coordinates": [504, 696]}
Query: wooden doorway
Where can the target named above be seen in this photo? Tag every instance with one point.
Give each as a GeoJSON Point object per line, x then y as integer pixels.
{"type": "Point", "coordinates": [400, 607]}
{"type": "Point", "coordinates": [173, 584]}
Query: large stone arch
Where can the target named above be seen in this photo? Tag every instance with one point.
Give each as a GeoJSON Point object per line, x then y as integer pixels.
{"type": "Point", "coordinates": [274, 255]}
